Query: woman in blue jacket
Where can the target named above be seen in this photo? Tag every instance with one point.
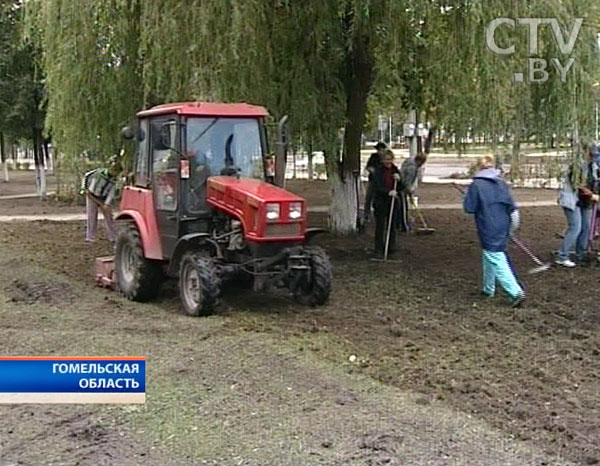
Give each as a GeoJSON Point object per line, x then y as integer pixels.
{"type": "Point", "coordinates": [496, 218]}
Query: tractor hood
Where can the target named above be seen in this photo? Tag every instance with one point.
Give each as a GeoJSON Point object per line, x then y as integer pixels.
{"type": "Point", "coordinates": [249, 200]}
{"type": "Point", "coordinates": [252, 188]}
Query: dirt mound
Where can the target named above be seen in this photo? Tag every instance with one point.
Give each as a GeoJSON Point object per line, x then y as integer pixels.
{"type": "Point", "coordinates": [22, 291]}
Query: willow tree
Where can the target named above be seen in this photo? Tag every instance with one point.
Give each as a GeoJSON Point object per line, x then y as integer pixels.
{"type": "Point", "coordinates": [92, 69]}
{"type": "Point", "coordinates": [488, 93]}
{"type": "Point", "coordinates": [22, 110]}
{"type": "Point", "coordinates": [316, 61]}
{"type": "Point", "coordinates": [9, 42]}
{"type": "Point", "coordinates": [319, 62]}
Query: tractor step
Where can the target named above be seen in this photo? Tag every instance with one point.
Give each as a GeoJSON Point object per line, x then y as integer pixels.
{"type": "Point", "coordinates": [104, 272]}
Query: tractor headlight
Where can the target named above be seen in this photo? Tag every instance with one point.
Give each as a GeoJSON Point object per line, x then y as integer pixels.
{"type": "Point", "coordinates": [295, 210]}
{"type": "Point", "coordinates": [273, 211]}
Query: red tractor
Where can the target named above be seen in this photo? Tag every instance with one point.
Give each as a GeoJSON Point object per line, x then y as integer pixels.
{"type": "Point", "coordinates": [199, 209]}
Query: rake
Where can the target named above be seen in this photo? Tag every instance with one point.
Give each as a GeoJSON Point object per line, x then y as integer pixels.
{"type": "Point", "coordinates": [424, 230]}
{"type": "Point", "coordinates": [541, 266]}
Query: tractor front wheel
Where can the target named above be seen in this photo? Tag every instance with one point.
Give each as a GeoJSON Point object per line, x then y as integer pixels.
{"type": "Point", "coordinates": [199, 285]}
{"type": "Point", "coordinates": [315, 287]}
{"type": "Point", "coordinates": [138, 278]}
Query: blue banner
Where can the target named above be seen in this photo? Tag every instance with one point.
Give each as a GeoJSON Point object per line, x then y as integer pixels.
{"type": "Point", "coordinates": [72, 375]}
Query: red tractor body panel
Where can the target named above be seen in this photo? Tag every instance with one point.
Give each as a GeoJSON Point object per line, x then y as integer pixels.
{"type": "Point", "coordinates": [246, 199]}
{"type": "Point", "coordinates": [138, 203]}
{"type": "Point", "coordinates": [208, 109]}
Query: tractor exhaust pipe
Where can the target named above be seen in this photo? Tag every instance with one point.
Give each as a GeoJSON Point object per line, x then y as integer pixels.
{"type": "Point", "coordinates": [281, 151]}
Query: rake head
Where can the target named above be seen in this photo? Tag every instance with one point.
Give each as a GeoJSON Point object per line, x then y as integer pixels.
{"type": "Point", "coordinates": [539, 269]}
{"type": "Point", "coordinates": [424, 231]}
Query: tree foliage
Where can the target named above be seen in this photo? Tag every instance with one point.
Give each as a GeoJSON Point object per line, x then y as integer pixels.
{"type": "Point", "coordinates": [319, 61]}
{"type": "Point", "coordinates": [21, 81]}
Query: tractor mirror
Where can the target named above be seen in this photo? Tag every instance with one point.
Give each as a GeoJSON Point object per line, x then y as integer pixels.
{"type": "Point", "coordinates": [281, 147]}
{"type": "Point", "coordinates": [127, 132]}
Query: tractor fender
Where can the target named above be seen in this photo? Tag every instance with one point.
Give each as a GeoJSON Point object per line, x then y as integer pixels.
{"type": "Point", "coordinates": [310, 233]}
{"type": "Point", "coordinates": [184, 244]}
{"type": "Point", "coordinates": [149, 236]}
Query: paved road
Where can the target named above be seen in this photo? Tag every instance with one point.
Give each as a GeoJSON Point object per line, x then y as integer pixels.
{"type": "Point", "coordinates": [23, 196]}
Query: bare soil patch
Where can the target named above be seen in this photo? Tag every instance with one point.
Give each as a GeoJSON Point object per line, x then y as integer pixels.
{"type": "Point", "coordinates": [417, 324]}
{"type": "Point", "coordinates": [27, 292]}
{"type": "Point", "coordinates": [35, 206]}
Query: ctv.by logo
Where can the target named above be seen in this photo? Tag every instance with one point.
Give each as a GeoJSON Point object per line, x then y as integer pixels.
{"type": "Point", "coordinates": [537, 69]}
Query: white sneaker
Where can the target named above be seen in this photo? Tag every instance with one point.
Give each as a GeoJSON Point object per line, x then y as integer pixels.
{"type": "Point", "coordinates": [566, 263]}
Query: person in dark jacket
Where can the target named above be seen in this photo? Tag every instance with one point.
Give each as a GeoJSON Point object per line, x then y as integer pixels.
{"type": "Point", "coordinates": [496, 218]}
{"type": "Point", "coordinates": [593, 190]}
{"type": "Point", "coordinates": [386, 185]}
{"type": "Point", "coordinates": [375, 161]}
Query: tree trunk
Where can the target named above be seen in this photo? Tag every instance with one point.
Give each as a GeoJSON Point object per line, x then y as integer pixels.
{"type": "Point", "coordinates": [344, 203]}
{"type": "Point", "coordinates": [413, 147]}
{"type": "Point", "coordinates": [3, 156]}
{"type": "Point", "coordinates": [49, 165]}
{"type": "Point", "coordinates": [418, 136]}
{"type": "Point", "coordinates": [43, 188]}
{"type": "Point", "coordinates": [515, 160]}
{"type": "Point", "coordinates": [310, 161]}
{"type": "Point", "coordinates": [38, 158]}
{"type": "Point", "coordinates": [294, 170]}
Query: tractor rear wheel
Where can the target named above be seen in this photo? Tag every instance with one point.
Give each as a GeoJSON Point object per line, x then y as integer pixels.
{"type": "Point", "coordinates": [138, 278]}
{"type": "Point", "coordinates": [315, 288]}
{"type": "Point", "coordinates": [199, 285]}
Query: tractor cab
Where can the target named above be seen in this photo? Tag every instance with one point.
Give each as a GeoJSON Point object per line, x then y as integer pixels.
{"type": "Point", "coordinates": [202, 207]}
{"type": "Point", "coordinates": [180, 146]}
{"type": "Point", "coordinates": [195, 146]}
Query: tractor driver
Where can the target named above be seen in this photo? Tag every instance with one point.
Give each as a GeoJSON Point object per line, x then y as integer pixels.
{"type": "Point", "coordinates": [199, 173]}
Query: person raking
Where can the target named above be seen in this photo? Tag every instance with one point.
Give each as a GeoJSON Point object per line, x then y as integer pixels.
{"type": "Point", "coordinates": [497, 218]}
{"type": "Point", "coordinates": [386, 185]}
{"type": "Point", "coordinates": [99, 187]}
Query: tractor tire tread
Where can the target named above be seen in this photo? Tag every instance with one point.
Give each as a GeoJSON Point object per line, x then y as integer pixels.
{"type": "Point", "coordinates": [210, 285]}
{"type": "Point", "coordinates": [322, 277]}
{"type": "Point", "coordinates": [147, 280]}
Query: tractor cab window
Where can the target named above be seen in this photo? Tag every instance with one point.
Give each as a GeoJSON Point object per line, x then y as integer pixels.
{"type": "Point", "coordinates": [221, 146]}
{"type": "Point", "coordinates": [225, 146]}
{"type": "Point", "coordinates": [165, 166]}
{"type": "Point", "coordinates": [141, 168]}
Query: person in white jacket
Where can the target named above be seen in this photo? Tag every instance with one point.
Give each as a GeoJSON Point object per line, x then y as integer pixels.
{"type": "Point", "coordinates": [410, 179]}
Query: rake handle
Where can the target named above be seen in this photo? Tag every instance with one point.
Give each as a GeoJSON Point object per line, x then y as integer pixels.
{"type": "Point", "coordinates": [389, 229]}
{"type": "Point", "coordinates": [419, 214]}
{"type": "Point", "coordinates": [527, 251]}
